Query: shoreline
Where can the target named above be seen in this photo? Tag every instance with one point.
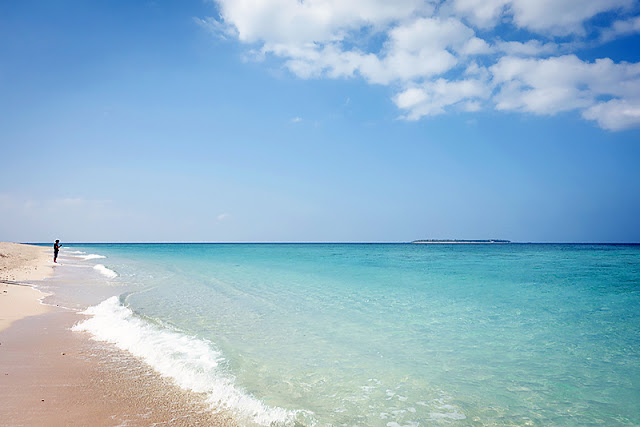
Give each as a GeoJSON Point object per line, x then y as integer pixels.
{"type": "Point", "coordinates": [53, 376]}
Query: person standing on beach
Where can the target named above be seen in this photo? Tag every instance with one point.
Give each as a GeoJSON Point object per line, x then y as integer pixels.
{"type": "Point", "coordinates": [56, 248]}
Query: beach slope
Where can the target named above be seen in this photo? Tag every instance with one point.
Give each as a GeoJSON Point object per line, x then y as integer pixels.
{"type": "Point", "coordinates": [52, 376]}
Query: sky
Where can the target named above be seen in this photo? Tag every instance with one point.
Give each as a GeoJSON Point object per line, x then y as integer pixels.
{"type": "Point", "coordinates": [319, 120]}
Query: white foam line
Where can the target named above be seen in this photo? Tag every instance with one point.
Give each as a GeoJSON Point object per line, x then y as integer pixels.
{"type": "Point", "coordinates": [192, 363]}
{"type": "Point", "coordinates": [91, 256]}
{"type": "Point", "coordinates": [105, 271]}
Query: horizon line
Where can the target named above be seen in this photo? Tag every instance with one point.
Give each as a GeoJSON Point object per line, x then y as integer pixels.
{"type": "Point", "coordinates": [445, 241]}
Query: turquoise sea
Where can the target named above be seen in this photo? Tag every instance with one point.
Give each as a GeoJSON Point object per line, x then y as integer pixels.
{"type": "Point", "coordinates": [375, 334]}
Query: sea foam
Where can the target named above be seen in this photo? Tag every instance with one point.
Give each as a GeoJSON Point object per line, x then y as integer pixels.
{"type": "Point", "coordinates": [110, 274]}
{"type": "Point", "coordinates": [191, 362]}
{"type": "Point", "coordinates": [91, 256]}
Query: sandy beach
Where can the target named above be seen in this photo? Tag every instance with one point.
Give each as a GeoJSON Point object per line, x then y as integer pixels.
{"type": "Point", "coordinates": [53, 376]}
{"type": "Point", "coordinates": [19, 265]}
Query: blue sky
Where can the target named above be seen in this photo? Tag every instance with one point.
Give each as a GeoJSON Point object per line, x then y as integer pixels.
{"type": "Point", "coordinates": [322, 120]}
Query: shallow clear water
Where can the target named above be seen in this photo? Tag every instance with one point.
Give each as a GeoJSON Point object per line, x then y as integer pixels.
{"type": "Point", "coordinates": [379, 334]}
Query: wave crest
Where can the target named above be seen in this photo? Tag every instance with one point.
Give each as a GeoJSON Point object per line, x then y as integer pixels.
{"type": "Point", "coordinates": [110, 274]}
{"type": "Point", "coordinates": [91, 256]}
{"type": "Point", "coordinates": [192, 363]}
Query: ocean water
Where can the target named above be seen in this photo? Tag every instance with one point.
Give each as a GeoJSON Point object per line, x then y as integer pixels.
{"type": "Point", "coordinates": [376, 334]}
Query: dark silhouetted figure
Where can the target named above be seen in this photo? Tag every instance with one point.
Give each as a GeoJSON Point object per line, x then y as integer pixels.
{"type": "Point", "coordinates": [56, 248]}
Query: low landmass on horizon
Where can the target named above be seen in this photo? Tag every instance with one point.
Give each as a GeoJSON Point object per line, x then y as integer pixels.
{"type": "Point", "coordinates": [461, 241]}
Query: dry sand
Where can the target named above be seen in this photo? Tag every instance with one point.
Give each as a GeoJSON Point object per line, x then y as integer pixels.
{"type": "Point", "coordinates": [25, 262]}
{"type": "Point", "coordinates": [19, 265]}
{"type": "Point", "coordinates": [51, 376]}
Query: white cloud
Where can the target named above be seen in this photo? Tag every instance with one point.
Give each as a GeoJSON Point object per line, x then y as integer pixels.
{"type": "Point", "coordinates": [560, 17]}
{"type": "Point", "coordinates": [471, 106]}
{"type": "Point", "coordinates": [475, 46]}
{"type": "Point", "coordinates": [428, 52]}
{"type": "Point", "coordinates": [223, 216]}
{"type": "Point", "coordinates": [549, 86]}
{"type": "Point", "coordinates": [542, 16]}
{"type": "Point", "coordinates": [311, 60]}
{"type": "Point", "coordinates": [293, 21]}
{"type": "Point", "coordinates": [429, 33]}
{"type": "Point", "coordinates": [410, 98]}
{"type": "Point", "coordinates": [540, 86]}
{"type": "Point", "coordinates": [436, 97]}
{"type": "Point", "coordinates": [482, 13]}
{"type": "Point", "coordinates": [473, 69]}
{"type": "Point", "coordinates": [216, 27]}
{"type": "Point", "coordinates": [621, 28]}
{"type": "Point", "coordinates": [617, 114]}
{"type": "Point", "coordinates": [417, 49]}
{"type": "Point", "coordinates": [296, 120]}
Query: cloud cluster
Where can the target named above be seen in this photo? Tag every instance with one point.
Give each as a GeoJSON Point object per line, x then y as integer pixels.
{"type": "Point", "coordinates": [452, 55]}
{"type": "Point", "coordinates": [549, 17]}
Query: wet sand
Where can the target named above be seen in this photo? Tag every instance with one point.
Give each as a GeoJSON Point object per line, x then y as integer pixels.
{"type": "Point", "coordinates": [52, 376]}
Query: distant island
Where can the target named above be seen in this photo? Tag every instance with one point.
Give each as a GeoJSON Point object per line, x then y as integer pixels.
{"type": "Point", "coordinates": [461, 241]}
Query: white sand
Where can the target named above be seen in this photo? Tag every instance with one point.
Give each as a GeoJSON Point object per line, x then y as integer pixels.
{"type": "Point", "coordinates": [20, 266]}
